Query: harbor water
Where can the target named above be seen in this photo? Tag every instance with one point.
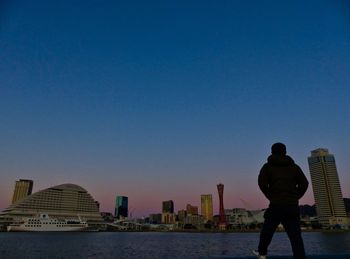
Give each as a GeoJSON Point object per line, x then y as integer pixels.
{"type": "Point", "coordinates": [163, 245]}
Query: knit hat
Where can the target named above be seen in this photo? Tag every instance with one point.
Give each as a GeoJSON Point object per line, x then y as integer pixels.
{"type": "Point", "coordinates": [278, 149]}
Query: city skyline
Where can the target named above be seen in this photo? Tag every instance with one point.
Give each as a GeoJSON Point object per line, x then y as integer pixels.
{"type": "Point", "coordinates": [196, 202]}
{"type": "Point", "coordinates": [162, 100]}
{"type": "Point", "coordinates": [169, 205]}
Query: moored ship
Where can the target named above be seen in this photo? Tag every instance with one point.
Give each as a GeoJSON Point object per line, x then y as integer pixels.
{"type": "Point", "coordinates": [43, 223]}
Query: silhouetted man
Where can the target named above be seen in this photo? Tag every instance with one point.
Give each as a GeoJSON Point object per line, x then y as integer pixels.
{"type": "Point", "coordinates": [283, 183]}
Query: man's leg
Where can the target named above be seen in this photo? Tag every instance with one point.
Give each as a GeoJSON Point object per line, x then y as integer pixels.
{"type": "Point", "coordinates": [270, 224]}
{"type": "Point", "coordinates": [291, 224]}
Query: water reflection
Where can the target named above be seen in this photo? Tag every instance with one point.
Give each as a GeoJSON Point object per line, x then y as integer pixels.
{"type": "Point", "coordinates": [159, 245]}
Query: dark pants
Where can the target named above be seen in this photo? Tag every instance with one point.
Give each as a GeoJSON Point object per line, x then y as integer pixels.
{"type": "Point", "coordinates": [289, 216]}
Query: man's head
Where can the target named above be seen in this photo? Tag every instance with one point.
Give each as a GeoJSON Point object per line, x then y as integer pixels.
{"type": "Point", "coordinates": [278, 149]}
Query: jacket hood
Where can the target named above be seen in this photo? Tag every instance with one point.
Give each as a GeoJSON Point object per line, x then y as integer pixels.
{"type": "Point", "coordinates": [280, 160]}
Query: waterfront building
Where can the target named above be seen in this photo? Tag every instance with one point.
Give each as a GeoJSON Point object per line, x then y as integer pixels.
{"type": "Point", "coordinates": [121, 207]}
{"type": "Point", "coordinates": [168, 218]}
{"type": "Point", "coordinates": [238, 217]}
{"type": "Point", "coordinates": [155, 218]}
{"type": "Point", "coordinates": [191, 210]}
{"type": "Point", "coordinates": [66, 201]}
{"type": "Point", "coordinates": [23, 188]}
{"type": "Point", "coordinates": [107, 216]}
{"type": "Point", "coordinates": [207, 206]}
{"type": "Point", "coordinates": [168, 206]}
{"type": "Point", "coordinates": [195, 220]}
{"type": "Point", "coordinates": [258, 216]}
{"type": "Point", "coordinates": [326, 187]}
{"type": "Point", "coordinates": [181, 214]}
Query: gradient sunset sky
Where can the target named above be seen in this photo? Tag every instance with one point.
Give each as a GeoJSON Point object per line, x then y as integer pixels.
{"type": "Point", "coordinates": [159, 100]}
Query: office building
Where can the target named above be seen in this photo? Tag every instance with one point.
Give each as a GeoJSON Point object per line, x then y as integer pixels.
{"type": "Point", "coordinates": [326, 187]}
{"type": "Point", "coordinates": [191, 210]}
{"type": "Point", "coordinates": [168, 218]}
{"type": "Point", "coordinates": [195, 220]}
{"type": "Point", "coordinates": [207, 206]}
{"type": "Point", "coordinates": [168, 206]}
{"type": "Point", "coordinates": [181, 215]}
{"type": "Point", "coordinates": [23, 188]}
{"type": "Point", "coordinates": [121, 207]}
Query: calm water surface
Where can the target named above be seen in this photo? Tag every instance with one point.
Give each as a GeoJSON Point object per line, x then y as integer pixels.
{"type": "Point", "coordinates": [160, 245]}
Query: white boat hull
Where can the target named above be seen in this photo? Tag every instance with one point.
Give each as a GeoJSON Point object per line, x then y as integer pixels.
{"type": "Point", "coordinates": [43, 223]}
{"type": "Point", "coordinates": [45, 229]}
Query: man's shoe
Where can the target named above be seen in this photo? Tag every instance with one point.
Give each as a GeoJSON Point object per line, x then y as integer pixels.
{"type": "Point", "coordinates": [259, 256]}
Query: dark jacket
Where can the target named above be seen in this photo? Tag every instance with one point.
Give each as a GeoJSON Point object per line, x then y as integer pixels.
{"type": "Point", "coordinates": [282, 181]}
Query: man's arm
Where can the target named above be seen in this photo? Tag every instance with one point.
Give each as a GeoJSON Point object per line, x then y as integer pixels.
{"type": "Point", "coordinates": [263, 182]}
{"type": "Point", "coordinates": [302, 182]}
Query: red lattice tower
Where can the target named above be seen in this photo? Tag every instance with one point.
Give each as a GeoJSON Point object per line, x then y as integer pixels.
{"type": "Point", "coordinates": [222, 219]}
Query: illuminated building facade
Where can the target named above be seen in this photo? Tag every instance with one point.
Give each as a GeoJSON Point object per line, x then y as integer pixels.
{"type": "Point", "coordinates": [121, 207]}
{"type": "Point", "coordinates": [326, 187]}
{"type": "Point", "coordinates": [207, 206]}
{"type": "Point", "coordinates": [66, 201]}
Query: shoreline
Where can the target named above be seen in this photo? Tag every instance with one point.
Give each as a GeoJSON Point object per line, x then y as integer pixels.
{"type": "Point", "coordinates": [224, 232]}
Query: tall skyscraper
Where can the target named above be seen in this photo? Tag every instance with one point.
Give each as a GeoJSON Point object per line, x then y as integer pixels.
{"type": "Point", "coordinates": [121, 207]}
{"type": "Point", "coordinates": [327, 192]}
{"type": "Point", "coordinates": [168, 216]}
{"type": "Point", "coordinates": [207, 206]}
{"type": "Point", "coordinates": [168, 206]}
{"type": "Point", "coordinates": [23, 188]}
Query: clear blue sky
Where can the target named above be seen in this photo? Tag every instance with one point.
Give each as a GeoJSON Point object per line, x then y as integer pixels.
{"type": "Point", "coordinates": [162, 100]}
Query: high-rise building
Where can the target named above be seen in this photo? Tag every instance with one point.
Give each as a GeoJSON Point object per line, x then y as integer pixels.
{"type": "Point", "coordinates": [207, 206]}
{"type": "Point", "coordinates": [191, 210]}
{"type": "Point", "coordinates": [168, 206]}
{"type": "Point", "coordinates": [23, 188]}
{"type": "Point", "coordinates": [121, 207]}
{"type": "Point", "coordinates": [168, 216]}
{"type": "Point", "coordinates": [327, 192]}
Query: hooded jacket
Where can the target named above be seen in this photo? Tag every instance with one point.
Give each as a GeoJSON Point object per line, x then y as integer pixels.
{"type": "Point", "coordinates": [282, 181]}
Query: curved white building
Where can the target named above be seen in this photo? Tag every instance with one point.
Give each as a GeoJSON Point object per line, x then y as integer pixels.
{"type": "Point", "coordinates": [64, 201]}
